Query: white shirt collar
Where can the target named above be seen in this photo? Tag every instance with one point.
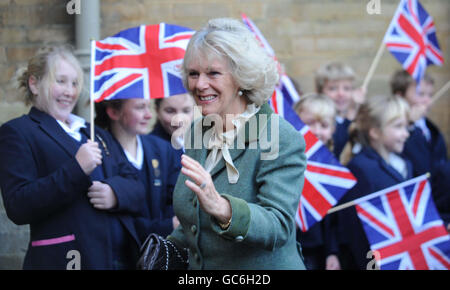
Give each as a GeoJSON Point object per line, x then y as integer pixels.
{"type": "Point", "coordinates": [422, 124]}
{"type": "Point", "coordinates": [339, 119]}
{"type": "Point", "coordinates": [399, 164]}
{"type": "Point", "coordinates": [139, 160]}
{"type": "Point", "coordinates": [75, 124]}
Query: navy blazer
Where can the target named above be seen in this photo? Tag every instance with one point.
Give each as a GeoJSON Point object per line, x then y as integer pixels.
{"type": "Point", "coordinates": [431, 157]}
{"type": "Point", "coordinates": [373, 174]}
{"type": "Point", "coordinates": [43, 185]}
{"type": "Point", "coordinates": [425, 156]}
{"type": "Point", "coordinates": [340, 137]}
{"type": "Point", "coordinates": [163, 169]}
{"type": "Point", "coordinates": [160, 132]}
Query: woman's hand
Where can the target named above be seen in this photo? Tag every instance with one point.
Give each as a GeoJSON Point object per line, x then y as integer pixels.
{"type": "Point", "coordinates": [202, 185]}
{"type": "Point", "coordinates": [102, 196]}
{"type": "Point", "coordinates": [89, 156]}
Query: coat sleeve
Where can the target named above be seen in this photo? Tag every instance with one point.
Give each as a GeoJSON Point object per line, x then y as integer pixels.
{"type": "Point", "coordinates": [28, 196]}
{"type": "Point", "coordinates": [269, 222]}
{"type": "Point", "coordinates": [129, 190]}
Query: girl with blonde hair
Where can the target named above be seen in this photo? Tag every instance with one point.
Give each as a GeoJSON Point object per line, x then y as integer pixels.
{"type": "Point", "coordinates": [77, 195]}
{"type": "Point", "coordinates": [380, 130]}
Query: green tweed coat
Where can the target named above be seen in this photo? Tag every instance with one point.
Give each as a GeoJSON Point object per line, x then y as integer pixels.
{"type": "Point", "coordinates": [263, 201]}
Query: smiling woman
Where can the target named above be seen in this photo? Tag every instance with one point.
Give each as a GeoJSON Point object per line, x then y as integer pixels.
{"type": "Point", "coordinates": [236, 209]}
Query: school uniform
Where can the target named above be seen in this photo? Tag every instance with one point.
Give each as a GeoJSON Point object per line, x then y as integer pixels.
{"type": "Point", "coordinates": [158, 170]}
{"type": "Point", "coordinates": [312, 242]}
{"type": "Point", "coordinates": [43, 185]}
{"type": "Point", "coordinates": [427, 151]}
{"type": "Point", "coordinates": [373, 174]}
{"type": "Point", "coordinates": [159, 131]}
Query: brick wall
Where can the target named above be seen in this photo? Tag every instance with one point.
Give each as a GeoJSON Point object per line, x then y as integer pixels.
{"type": "Point", "coordinates": [303, 33]}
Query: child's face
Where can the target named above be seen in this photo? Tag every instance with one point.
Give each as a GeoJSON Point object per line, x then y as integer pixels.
{"type": "Point", "coordinates": [322, 128]}
{"type": "Point", "coordinates": [394, 135]}
{"type": "Point", "coordinates": [422, 96]}
{"type": "Point", "coordinates": [341, 92]}
{"type": "Point", "coordinates": [134, 116]}
{"type": "Point", "coordinates": [63, 91]}
{"type": "Point", "coordinates": [176, 110]}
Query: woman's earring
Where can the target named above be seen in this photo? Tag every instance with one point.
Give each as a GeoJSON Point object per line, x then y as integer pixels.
{"type": "Point", "coordinates": [240, 93]}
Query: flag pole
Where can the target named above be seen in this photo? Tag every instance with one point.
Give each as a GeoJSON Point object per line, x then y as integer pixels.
{"type": "Point", "coordinates": [376, 194]}
{"type": "Point", "coordinates": [91, 97]}
{"type": "Point", "coordinates": [374, 65]}
{"type": "Point", "coordinates": [440, 93]}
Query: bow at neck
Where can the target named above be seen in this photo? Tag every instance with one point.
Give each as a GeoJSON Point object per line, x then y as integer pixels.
{"type": "Point", "coordinates": [220, 143]}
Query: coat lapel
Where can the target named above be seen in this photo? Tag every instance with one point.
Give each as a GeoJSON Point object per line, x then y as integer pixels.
{"type": "Point", "coordinates": [50, 126]}
{"type": "Point", "coordinates": [386, 167]}
{"type": "Point", "coordinates": [249, 136]}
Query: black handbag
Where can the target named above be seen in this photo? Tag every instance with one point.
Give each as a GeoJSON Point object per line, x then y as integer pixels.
{"type": "Point", "coordinates": [158, 253]}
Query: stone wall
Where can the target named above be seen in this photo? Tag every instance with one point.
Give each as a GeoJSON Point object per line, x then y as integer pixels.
{"type": "Point", "coordinates": [303, 33]}
{"type": "Point", "coordinates": [24, 26]}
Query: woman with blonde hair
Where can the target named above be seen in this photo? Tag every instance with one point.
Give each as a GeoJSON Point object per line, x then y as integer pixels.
{"type": "Point", "coordinates": [235, 204]}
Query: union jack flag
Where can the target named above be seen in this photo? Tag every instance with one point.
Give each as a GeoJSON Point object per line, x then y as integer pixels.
{"type": "Point", "coordinates": [139, 62]}
{"type": "Point", "coordinates": [411, 38]}
{"type": "Point", "coordinates": [326, 180]}
{"type": "Point", "coordinates": [404, 228]}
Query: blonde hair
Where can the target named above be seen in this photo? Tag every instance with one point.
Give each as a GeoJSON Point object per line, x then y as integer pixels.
{"type": "Point", "coordinates": [253, 70]}
{"type": "Point", "coordinates": [319, 105]}
{"type": "Point", "coordinates": [42, 67]}
{"type": "Point", "coordinates": [332, 71]}
{"type": "Point", "coordinates": [376, 112]}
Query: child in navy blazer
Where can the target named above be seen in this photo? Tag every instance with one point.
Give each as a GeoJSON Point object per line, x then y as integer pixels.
{"type": "Point", "coordinates": [380, 130]}
{"type": "Point", "coordinates": [154, 158]}
{"type": "Point", "coordinates": [336, 80]}
{"type": "Point", "coordinates": [174, 116]}
{"type": "Point", "coordinates": [426, 146]}
{"type": "Point", "coordinates": [77, 195]}
{"type": "Point", "coordinates": [318, 111]}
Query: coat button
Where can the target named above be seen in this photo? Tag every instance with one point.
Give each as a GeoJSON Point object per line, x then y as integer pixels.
{"type": "Point", "coordinates": [193, 229]}
{"type": "Point", "coordinates": [239, 238]}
